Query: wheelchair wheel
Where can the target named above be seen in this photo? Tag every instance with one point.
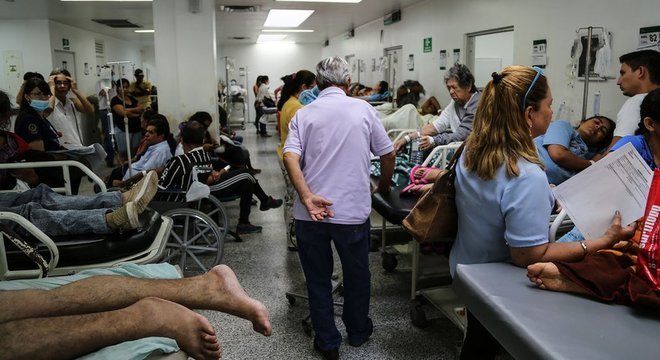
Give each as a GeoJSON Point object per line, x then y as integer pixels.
{"type": "Point", "coordinates": [213, 207]}
{"type": "Point", "coordinates": [195, 243]}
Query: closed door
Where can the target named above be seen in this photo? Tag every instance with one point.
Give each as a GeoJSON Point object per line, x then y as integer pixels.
{"type": "Point", "coordinates": [65, 60]}
{"type": "Point", "coordinates": [393, 70]}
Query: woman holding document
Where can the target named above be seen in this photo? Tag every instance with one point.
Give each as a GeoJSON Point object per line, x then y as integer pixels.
{"type": "Point", "coordinates": [500, 174]}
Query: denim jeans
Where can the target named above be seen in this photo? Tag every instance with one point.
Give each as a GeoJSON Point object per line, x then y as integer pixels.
{"type": "Point", "coordinates": [315, 252]}
{"type": "Point", "coordinates": [56, 214]}
{"type": "Point", "coordinates": [573, 235]}
{"type": "Point", "coordinates": [107, 140]}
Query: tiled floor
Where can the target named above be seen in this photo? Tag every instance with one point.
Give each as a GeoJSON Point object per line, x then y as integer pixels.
{"type": "Point", "coordinates": [267, 270]}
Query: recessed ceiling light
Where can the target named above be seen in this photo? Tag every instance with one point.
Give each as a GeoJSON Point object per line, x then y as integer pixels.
{"type": "Point", "coordinates": [325, 1]}
{"type": "Point", "coordinates": [286, 18]}
{"type": "Point", "coordinates": [287, 31]}
{"type": "Point", "coordinates": [144, 31]}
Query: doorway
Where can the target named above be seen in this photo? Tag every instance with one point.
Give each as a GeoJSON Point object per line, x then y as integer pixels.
{"type": "Point", "coordinates": [489, 51]}
{"type": "Point", "coordinates": [65, 60]}
{"type": "Point", "coordinates": [393, 68]}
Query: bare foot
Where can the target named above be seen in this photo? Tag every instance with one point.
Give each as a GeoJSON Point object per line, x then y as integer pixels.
{"type": "Point", "coordinates": [547, 276]}
{"type": "Point", "coordinates": [192, 331]}
{"type": "Point", "coordinates": [222, 281]}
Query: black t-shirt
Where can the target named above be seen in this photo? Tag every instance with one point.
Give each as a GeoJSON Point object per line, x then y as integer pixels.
{"type": "Point", "coordinates": [118, 120]}
{"type": "Point", "coordinates": [33, 127]}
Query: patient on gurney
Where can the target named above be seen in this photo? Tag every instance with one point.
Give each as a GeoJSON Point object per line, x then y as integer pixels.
{"type": "Point", "coordinates": [89, 314]}
{"type": "Point", "coordinates": [102, 213]}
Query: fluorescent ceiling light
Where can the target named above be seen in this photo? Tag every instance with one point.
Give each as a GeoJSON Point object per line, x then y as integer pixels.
{"type": "Point", "coordinates": [263, 38]}
{"type": "Point", "coordinates": [287, 31]}
{"type": "Point", "coordinates": [286, 18]}
{"type": "Point", "coordinates": [325, 1]}
{"type": "Point", "coordinates": [144, 31]}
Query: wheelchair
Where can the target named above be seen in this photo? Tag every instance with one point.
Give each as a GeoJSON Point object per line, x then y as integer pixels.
{"type": "Point", "coordinates": [199, 229]}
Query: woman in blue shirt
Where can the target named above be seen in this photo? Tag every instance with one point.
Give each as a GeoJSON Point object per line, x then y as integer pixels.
{"type": "Point", "coordinates": [502, 193]}
{"type": "Point", "coordinates": [565, 151]}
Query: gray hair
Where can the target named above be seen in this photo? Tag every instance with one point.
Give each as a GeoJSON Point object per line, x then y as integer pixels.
{"type": "Point", "coordinates": [332, 71]}
{"type": "Point", "coordinates": [462, 75]}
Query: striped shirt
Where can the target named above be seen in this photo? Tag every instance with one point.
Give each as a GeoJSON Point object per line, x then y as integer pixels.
{"type": "Point", "coordinates": [177, 174]}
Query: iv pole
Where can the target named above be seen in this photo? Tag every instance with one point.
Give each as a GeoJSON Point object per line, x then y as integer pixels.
{"type": "Point", "coordinates": [111, 124]}
{"type": "Point", "coordinates": [587, 62]}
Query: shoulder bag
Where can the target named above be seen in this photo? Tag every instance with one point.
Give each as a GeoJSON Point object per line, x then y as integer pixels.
{"type": "Point", "coordinates": [434, 217]}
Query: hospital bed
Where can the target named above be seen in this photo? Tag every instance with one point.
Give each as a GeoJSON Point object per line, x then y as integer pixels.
{"type": "Point", "coordinates": [181, 235]}
{"type": "Point", "coordinates": [531, 323]}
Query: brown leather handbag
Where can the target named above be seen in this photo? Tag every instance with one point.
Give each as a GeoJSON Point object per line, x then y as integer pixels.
{"type": "Point", "coordinates": [434, 217]}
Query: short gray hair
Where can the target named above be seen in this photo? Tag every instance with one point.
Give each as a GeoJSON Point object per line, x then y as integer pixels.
{"type": "Point", "coordinates": [462, 74]}
{"type": "Point", "coordinates": [332, 71]}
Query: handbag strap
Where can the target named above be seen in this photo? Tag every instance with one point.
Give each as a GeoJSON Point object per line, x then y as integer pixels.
{"type": "Point", "coordinates": [454, 159]}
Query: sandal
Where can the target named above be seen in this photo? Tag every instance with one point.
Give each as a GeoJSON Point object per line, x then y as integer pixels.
{"type": "Point", "coordinates": [422, 179]}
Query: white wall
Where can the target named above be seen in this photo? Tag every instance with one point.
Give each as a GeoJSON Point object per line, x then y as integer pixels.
{"type": "Point", "coordinates": [82, 43]}
{"type": "Point", "coordinates": [33, 55]}
{"type": "Point", "coordinates": [448, 21]}
{"type": "Point", "coordinates": [268, 59]}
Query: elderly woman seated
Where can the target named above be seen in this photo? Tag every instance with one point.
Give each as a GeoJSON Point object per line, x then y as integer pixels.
{"type": "Point", "coordinates": [455, 122]}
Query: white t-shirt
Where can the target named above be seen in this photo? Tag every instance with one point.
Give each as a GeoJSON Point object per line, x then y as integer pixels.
{"type": "Point", "coordinates": [65, 118]}
{"type": "Point", "coordinates": [627, 119]}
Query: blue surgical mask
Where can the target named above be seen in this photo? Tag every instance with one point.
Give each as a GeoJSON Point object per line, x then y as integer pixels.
{"type": "Point", "coordinates": [39, 105]}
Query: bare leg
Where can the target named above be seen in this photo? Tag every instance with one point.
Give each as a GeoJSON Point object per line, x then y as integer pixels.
{"type": "Point", "coordinates": [218, 289]}
{"type": "Point", "coordinates": [547, 276]}
{"type": "Point", "coordinates": [45, 338]}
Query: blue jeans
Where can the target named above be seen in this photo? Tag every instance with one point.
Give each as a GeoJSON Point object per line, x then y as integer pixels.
{"type": "Point", "coordinates": [315, 252]}
{"type": "Point", "coordinates": [573, 235]}
{"type": "Point", "coordinates": [56, 214]}
{"type": "Point", "coordinates": [120, 138]}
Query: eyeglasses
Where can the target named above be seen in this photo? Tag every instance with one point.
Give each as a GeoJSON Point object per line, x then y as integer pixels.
{"type": "Point", "coordinates": [539, 72]}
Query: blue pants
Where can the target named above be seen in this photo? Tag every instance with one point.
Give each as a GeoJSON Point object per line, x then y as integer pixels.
{"type": "Point", "coordinates": [56, 214]}
{"type": "Point", "coordinates": [107, 140]}
{"type": "Point", "coordinates": [315, 252]}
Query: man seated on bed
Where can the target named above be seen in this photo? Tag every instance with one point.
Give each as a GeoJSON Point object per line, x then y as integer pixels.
{"type": "Point", "coordinates": [86, 315]}
{"type": "Point", "coordinates": [102, 213]}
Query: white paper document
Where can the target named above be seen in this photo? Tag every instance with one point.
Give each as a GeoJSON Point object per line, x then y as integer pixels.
{"type": "Point", "coordinates": [620, 181]}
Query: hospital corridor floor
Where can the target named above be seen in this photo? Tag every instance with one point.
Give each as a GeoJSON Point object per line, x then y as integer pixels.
{"type": "Point", "coordinates": [267, 270]}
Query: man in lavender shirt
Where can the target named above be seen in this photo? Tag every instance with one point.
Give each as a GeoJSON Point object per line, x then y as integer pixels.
{"type": "Point", "coordinates": [327, 155]}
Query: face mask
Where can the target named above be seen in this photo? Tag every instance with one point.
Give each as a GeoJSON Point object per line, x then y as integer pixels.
{"type": "Point", "coordinates": [39, 105]}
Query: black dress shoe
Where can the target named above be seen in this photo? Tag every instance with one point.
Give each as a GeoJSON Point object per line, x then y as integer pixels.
{"type": "Point", "coordinates": [359, 343]}
{"type": "Point", "coordinates": [327, 354]}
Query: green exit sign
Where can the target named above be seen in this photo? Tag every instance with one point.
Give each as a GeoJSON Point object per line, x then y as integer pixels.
{"type": "Point", "coordinates": [427, 45]}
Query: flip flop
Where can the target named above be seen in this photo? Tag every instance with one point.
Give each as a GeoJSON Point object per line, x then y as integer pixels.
{"type": "Point", "coordinates": [422, 179]}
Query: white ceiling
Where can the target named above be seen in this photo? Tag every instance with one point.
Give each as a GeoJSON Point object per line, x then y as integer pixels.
{"type": "Point", "coordinates": [327, 21]}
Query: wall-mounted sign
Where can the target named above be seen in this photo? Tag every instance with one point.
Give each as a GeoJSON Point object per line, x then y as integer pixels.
{"type": "Point", "coordinates": [443, 59]}
{"type": "Point", "coordinates": [457, 56]}
{"type": "Point", "coordinates": [649, 38]}
{"type": "Point", "coordinates": [65, 44]}
{"type": "Point", "coordinates": [539, 53]}
{"type": "Point", "coordinates": [427, 44]}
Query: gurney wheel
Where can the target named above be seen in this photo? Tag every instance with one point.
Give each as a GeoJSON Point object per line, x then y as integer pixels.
{"type": "Point", "coordinates": [291, 299]}
{"type": "Point", "coordinates": [389, 262]}
{"type": "Point", "coordinates": [194, 243]}
{"type": "Point", "coordinates": [418, 316]}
